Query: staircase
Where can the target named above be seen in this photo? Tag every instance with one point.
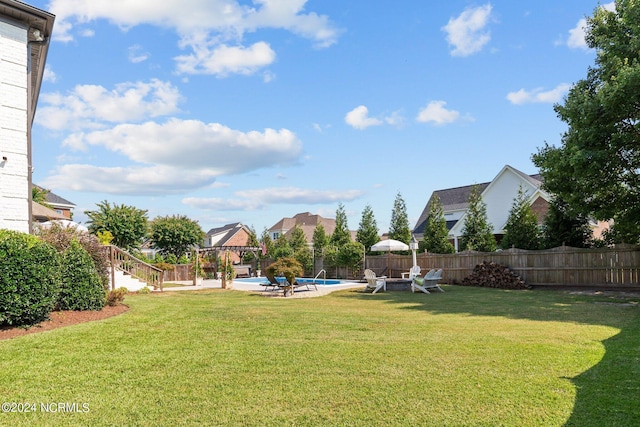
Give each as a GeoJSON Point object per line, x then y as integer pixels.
{"type": "Point", "coordinates": [132, 273]}
{"type": "Point", "coordinates": [118, 279]}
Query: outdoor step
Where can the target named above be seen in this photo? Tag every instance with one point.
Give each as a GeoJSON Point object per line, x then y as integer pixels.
{"type": "Point", "coordinates": [126, 281]}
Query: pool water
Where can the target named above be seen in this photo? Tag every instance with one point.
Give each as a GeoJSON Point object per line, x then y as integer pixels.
{"type": "Point", "coordinates": [298, 279]}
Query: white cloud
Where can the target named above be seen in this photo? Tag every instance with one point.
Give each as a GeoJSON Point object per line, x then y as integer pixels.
{"type": "Point", "coordinates": [192, 144]}
{"type": "Point", "coordinates": [359, 118]}
{"type": "Point", "coordinates": [87, 33]}
{"type": "Point", "coordinates": [539, 95]}
{"type": "Point", "coordinates": [91, 106]}
{"type": "Point", "coordinates": [467, 33]}
{"type": "Point", "coordinates": [137, 54]}
{"type": "Point", "coordinates": [224, 60]}
{"type": "Point", "coordinates": [220, 204]}
{"type": "Point", "coordinates": [205, 27]}
{"type": "Point", "coordinates": [138, 180]}
{"type": "Point", "coordinates": [395, 119]}
{"type": "Point", "coordinates": [576, 39]}
{"type": "Point", "coordinates": [259, 198]}
{"type": "Point", "coordinates": [49, 75]}
{"type": "Point", "coordinates": [173, 157]}
{"type": "Point", "coordinates": [435, 112]}
{"type": "Point", "coordinates": [293, 195]}
{"type": "Point", "coordinates": [576, 36]}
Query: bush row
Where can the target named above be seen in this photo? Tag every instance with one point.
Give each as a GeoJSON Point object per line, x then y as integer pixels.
{"type": "Point", "coordinates": [36, 278]}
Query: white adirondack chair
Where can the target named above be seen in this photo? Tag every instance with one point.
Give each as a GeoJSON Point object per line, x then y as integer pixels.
{"type": "Point", "coordinates": [429, 281]}
{"type": "Point", "coordinates": [374, 283]}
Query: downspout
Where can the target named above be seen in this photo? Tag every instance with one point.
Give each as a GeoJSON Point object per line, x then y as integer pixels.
{"type": "Point", "coordinates": [30, 118]}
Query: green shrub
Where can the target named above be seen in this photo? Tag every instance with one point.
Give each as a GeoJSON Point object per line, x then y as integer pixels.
{"type": "Point", "coordinates": [116, 296]}
{"type": "Point", "coordinates": [81, 287]}
{"type": "Point", "coordinates": [60, 237]}
{"type": "Point", "coordinates": [29, 279]}
{"type": "Point", "coordinates": [165, 266]}
{"type": "Point", "coordinates": [145, 290]}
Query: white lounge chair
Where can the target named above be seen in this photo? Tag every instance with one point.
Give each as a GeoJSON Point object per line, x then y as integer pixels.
{"type": "Point", "coordinates": [374, 282]}
{"type": "Point", "coordinates": [429, 281]}
{"type": "Point", "coordinates": [414, 272]}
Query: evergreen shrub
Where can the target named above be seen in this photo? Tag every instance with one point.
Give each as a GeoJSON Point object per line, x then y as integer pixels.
{"type": "Point", "coordinates": [81, 287]}
{"type": "Point", "coordinates": [29, 279]}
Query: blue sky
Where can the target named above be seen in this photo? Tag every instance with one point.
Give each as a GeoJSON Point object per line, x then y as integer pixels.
{"type": "Point", "coordinates": [250, 111]}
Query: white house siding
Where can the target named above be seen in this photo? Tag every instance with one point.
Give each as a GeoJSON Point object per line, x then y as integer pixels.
{"type": "Point", "coordinates": [14, 182]}
{"type": "Point", "coordinates": [499, 198]}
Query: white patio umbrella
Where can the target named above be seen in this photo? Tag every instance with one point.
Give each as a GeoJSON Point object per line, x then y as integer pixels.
{"type": "Point", "coordinates": [388, 246]}
{"type": "Point", "coordinates": [64, 223]}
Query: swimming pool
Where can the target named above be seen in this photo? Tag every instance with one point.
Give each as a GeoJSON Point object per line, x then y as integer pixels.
{"type": "Point", "coordinates": [301, 280]}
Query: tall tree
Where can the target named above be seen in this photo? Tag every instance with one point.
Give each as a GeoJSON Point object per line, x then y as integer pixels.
{"type": "Point", "coordinates": [341, 235]}
{"type": "Point", "coordinates": [399, 225]}
{"type": "Point", "coordinates": [297, 239]}
{"type": "Point", "coordinates": [368, 233]}
{"type": "Point", "coordinates": [281, 248]}
{"type": "Point", "coordinates": [127, 224]}
{"type": "Point", "coordinates": [320, 240]}
{"type": "Point", "coordinates": [267, 243]}
{"type": "Point", "coordinates": [436, 234]}
{"type": "Point", "coordinates": [562, 227]}
{"type": "Point", "coordinates": [252, 240]}
{"type": "Point", "coordinates": [477, 234]}
{"type": "Point", "coordinates": [596, 171]}
{"type": "Point", "coordinates": [521, 230]}
{"type": "Point", "coordinates": [175, 234]}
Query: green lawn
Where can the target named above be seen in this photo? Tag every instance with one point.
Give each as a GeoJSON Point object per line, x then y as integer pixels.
{"type": "Point", "coordinates": [466, 357]}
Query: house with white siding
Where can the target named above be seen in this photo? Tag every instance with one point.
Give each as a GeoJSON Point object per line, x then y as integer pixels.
{"type": "Point", "coordinates": [24, 44]}
{"type": "Point", "coordinates": [498, 195]}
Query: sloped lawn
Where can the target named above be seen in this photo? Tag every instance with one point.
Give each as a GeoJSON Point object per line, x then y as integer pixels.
{"type": "Point", "coordinates": [480, 357]}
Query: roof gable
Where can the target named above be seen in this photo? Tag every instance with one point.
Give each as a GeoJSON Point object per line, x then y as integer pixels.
{"type": "Point", "coordinates": [501, 187]}
{"type": "Point", "coordinates": [499, 195]}
{"type": "Point", "coordinates": [452, 199]}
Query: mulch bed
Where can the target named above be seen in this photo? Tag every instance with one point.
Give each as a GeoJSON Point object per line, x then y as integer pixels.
{"type": "Point", "coordinates": [60, 319]}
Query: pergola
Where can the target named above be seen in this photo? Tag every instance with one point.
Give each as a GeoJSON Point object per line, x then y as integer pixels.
{"type": "Point", "coordinates": [240, 250]}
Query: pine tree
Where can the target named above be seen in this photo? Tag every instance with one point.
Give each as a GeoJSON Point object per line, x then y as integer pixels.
{"type": "Point", "coordinates": [320, 240]}
{"type": "Point", "coordinates": [477, 234]}
{"type": "Point", "coordinates": [561, 227]}
{"type": "Point", "coordinates": [436, 234]}
{"type": "Point", "coordinates": [368, 233]}
{"type": "Point", "coordinates": [521, 230]}
{"type": "Point", "coordinates": [341, 234]}
{"type": "Point", "coordinates": [297, 239]}
{"type": "Point", "coordinates": [399, 226]}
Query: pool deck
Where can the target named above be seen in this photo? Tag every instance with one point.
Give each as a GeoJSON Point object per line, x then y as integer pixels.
{"type": "Point", "coordinates": [300, 292]}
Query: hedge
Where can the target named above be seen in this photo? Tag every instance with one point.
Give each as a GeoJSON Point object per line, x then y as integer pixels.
{"type": "Point", "coordinates": [29, 279]}
{"type": "Point", "coordinates": [81, 287]}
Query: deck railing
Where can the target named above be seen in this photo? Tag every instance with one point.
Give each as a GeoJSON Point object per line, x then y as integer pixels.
{"type": "Point", "coordinates": [129, 264]}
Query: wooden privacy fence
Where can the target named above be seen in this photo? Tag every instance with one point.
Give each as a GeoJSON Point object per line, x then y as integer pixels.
{"type": "Point", "coordinates": [617, 267]}
{"type": "Point", "coordinates": [180, 272]}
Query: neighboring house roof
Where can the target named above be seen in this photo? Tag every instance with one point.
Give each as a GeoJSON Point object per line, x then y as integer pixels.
{"type": "Point", "coordinates": [452, 199]}
{"type": "Point", "coordinates": [497, 194]}
{"type": "Point", "coordinates": [56, 201]}
{"type": "Point", "coordinates": [221, 235]}
{"type": "Point", "coordinates": [307, 222]}
{"type": "Point", "coordinates": [43, 214]}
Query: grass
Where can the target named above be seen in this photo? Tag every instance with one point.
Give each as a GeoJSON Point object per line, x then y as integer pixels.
{"type": "Point", "coordinates": [175, 285]}
{"type": "Point", "coordinates": [469, 356]}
